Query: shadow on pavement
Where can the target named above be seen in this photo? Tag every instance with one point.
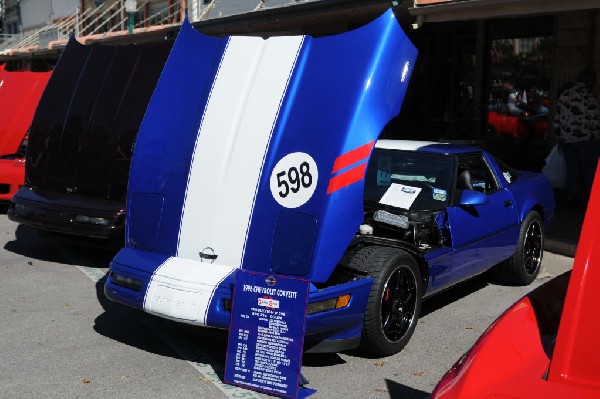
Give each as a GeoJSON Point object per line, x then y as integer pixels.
{"type": "Point", "coordinates": [321, 359]}
{"type": "Point", "coordinates": [454, 294]}
{"type": "Point", "coordinates": [164, 337]}
{"type": "Point", "coordinates": [123, 324]}
{"type": "Point", "coordinates": [29, 244]}
{"type": "Point", "coordinates": [36, 244]}
{"type": "Point", "coordinates": [396, 390]}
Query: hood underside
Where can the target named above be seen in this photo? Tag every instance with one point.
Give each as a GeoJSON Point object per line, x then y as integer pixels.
{"type": "Point", "coordinates": [83, 131]}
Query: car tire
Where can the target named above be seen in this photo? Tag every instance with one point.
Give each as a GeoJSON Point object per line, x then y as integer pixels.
{"type": "Point", "coordinates": [523, 267]}
{"type": "Point", "coordinates": [394, 301]}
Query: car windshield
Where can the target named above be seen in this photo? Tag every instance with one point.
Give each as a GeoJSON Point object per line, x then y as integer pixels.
{"type": "Point", "coordinates": [409, 180]}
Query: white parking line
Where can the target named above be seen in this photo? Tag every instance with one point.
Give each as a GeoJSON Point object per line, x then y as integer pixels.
{"type": "Point", "coordinates": [93, 273]}
{"type": "Point", "coordinates": [181, 346]}
{"type": "Point", "coordinates": [187, 350]}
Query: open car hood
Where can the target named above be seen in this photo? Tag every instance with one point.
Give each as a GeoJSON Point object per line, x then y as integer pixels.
{"type": "Point", "coordinates": [83, 131]}
{"type": "Point", "coordinates": [252, 152]}
{"type": "Point", "coordinates": [19, 96]}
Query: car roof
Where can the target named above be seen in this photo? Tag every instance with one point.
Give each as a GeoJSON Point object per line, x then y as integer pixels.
{"type": "Point", "coordinates": [425, 146]}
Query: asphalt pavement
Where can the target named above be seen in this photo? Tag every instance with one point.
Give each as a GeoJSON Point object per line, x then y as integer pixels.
{"type": "Point", "coordinates": [61, 338]}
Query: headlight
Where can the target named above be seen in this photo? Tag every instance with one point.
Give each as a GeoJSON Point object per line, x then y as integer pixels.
{"type": "Point", "coordinates": [127, 282]}
{"type": "Point", "coordinates": [21, 209]}
{"type": "Point", "coordinates": [91, 220]}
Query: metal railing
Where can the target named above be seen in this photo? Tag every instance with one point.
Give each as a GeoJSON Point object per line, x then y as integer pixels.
{"type": "Point", "coordinates": [166, 16]}
{"type": "Point", "coordinates": [96, 21]}
{"type": "Point", "coordinates": [198, 10]}
{"type": "Point", "coordinates": [6, 36]}
{"type": "Point", "coordinates": [64, 27]}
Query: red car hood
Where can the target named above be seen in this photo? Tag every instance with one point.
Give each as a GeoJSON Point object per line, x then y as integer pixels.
{"type": "Point", "coordinates": [19, 96]}
{"type": "Point", "coordinates": [544, 346]}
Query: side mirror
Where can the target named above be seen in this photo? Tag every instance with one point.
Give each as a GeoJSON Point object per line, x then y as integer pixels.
{"type": "Point", "coordinates": [472, 197]}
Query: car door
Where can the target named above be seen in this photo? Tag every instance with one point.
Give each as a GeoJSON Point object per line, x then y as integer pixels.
{"type": "Point", "coordinates": [481, 235]}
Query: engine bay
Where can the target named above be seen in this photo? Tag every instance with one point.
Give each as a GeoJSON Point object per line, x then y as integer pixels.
{"type": "Point", "coordinates": [422, 229]}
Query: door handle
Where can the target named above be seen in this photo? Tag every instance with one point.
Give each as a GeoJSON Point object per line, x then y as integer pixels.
{"type": "Point", "coordinates": [507, 203]}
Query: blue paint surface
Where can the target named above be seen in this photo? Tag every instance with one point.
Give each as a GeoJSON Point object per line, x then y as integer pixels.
{"type": "Point", "coordinates": [342, 92]}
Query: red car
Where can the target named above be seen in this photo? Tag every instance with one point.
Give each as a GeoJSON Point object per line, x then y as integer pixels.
{"type": "Point", "coordinates": [502, 123]}
{"type": "Point", "coordinates": [526, 120]}
{"type": "Point", "coordinates": [545, 345]}
{"type": "Point", "coordinates": [20, 93]}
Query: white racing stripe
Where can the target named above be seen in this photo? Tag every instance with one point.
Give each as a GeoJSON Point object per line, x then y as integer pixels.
{"type": "Point", "coordinates": [232, 142]}
{"type": "Point", "coordinates": [181, 289]}
{"type": "Point", "coordinates": [229, 153]}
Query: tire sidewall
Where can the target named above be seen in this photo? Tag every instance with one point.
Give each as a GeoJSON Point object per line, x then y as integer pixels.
{"type": "Point", "coordinates": [532, 218]}
{"type": "Point", "coordinates": [413, 322]}
{"type": "Point", "coordinates": [373, 334]}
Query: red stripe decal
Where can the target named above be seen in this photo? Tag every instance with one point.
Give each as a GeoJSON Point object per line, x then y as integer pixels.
{"type": "Point", "coordinates": [345, 179]}
{"type": "Point", "coordinates": [352, 157]}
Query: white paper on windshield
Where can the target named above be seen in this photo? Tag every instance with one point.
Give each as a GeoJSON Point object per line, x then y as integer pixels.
{"type": "Point", "coordinates": [400, 196]}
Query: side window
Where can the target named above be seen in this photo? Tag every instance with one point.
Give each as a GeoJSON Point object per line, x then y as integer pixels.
{"type": "Point", "coordinates": [509, 173]}
{"type": "Point", "coordinates": [478, 175]}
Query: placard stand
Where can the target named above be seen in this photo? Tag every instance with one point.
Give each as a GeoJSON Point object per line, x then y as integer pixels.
{"type": "Point", "coordinates": [266, 334]}
{"type": "Point", "coordinates": [303, 391]}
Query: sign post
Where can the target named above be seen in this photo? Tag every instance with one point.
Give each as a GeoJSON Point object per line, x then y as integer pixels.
{"type": "Point", "coordinates": [266, 334]}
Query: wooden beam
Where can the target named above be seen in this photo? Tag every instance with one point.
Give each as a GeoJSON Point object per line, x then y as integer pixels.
{"type": "Point", "coordinates": [429, 2]}
{"type": "Point", "coordinates": [488, 9]}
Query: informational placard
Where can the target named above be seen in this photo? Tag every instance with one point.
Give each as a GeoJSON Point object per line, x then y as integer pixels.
{"type": "Point", "coordinates": [400, 196]}
{"type": "Point", "coordinates": [266, 334]}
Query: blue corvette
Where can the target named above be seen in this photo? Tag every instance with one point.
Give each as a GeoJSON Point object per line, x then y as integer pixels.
{"type": "Point", "coordinates": [437, 214]}
{"type": "Point", "coordinates": [261, 155]}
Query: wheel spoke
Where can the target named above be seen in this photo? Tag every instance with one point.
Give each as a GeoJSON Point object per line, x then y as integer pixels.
{"type": "Point", "coordinates": [394, 322]}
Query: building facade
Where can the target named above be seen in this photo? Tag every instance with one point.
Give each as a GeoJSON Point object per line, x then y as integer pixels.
{"type": "Point", "coordinates": [11, 16]}
{"type": "Point", "coordinates": [39, 13]}
{"type": "Point", "coordinates": [474, 55]}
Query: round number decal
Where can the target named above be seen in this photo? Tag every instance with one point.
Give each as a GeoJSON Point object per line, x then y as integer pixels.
{"type": "Point", "coordinates": [294, 179]}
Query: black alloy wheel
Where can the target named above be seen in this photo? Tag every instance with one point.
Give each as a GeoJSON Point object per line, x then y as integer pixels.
{"type": "Point", "coordinates": [532, 248]}
{"type": "Point", "coordinates": [525, 264]}
{"type": "Point", "coordinates": [395, 299]}
{"type": "Point", "coordinates": [398, 300]}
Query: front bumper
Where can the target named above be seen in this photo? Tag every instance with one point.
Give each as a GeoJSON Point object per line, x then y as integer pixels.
{"type": "Point", "coordinates": [61, 213]}
{"type": "Point", "coordinates": [200, 294]}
